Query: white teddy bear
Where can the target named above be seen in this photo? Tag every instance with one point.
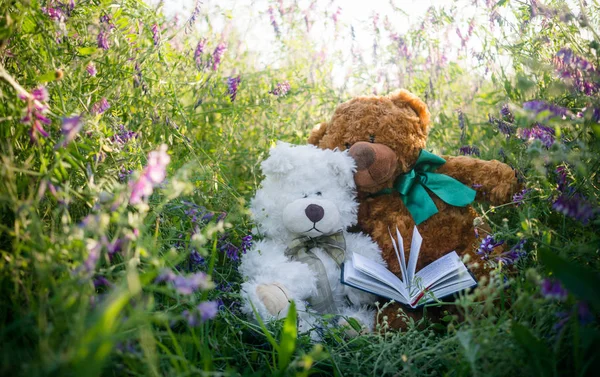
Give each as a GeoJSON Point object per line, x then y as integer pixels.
{"type": "Point", "coordinates": [303, 208]}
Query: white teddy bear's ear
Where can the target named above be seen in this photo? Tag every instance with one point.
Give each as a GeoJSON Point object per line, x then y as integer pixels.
{"type": "Point", "coordinates": [342, 166]}
{"type": "Point", "coordinates": [280, 160]}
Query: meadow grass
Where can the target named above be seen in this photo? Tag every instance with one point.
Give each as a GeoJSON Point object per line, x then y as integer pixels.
{"type": "Point", "coordinates": [120, 258]}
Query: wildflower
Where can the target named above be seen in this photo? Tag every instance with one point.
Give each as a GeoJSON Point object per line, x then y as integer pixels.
{"type": "Point", "coordinates": [103, 40]}
{"type": "Point", "coordinates": [155, 34]}
{"type": "Point", "coordinates": [190, 284]}
{"type": "Point", "coordinates": [40, 94]}
{"type": "Point", "coordinates": [552, 110]}
{"type": "Point", "coordinates": [100, 106]}
{"type": "Point", "coordinates": [34, 112]}
{"type": "Point", "coordinates": [195, 258]}
{"type": "Point", "coordinates": [123, 136]}
{"type": "Point", "coordinates": [577, 71]}
{"type": "Point", "coordinates": [91, 69]}
{"type": "Point", "coordinates": [273, 21]}
{"type": "Point", "coordinates": [575, 206]}
{"type": "Point", "coordinates": [538, 132]}
{"type": "Point", "coordinates": [101, 281]}
{"type": "Point", "coordinates": [198, 53]}
{"type": "Point", "coordinates": [553, 289]}
{"type": "Point", "coordinates": [336, 16]}
{"type": "Point", "coordinates": [520, 196]}
{"type": "Point", "coordinates": [469, 150]}
{"type": "Point", "coordinates": [166, 275]}
{"type": "Point", "coordinates": [89, 264]}
{"type": "Point", "coordinates": [281, 89]}
{"type": "Point", "coordinates": [55, 13]}
{"type": "Point", "coordinates": [506, 113]}
{"type": "Point", "coordinates": [70, 127]}
{"type": "Point", "coordinates": [153, 174]}
{"type": "Point", "coordinates": [246, 243]}
{"type": "Point", "coordinates": [124, 174]}
{"type": "Point", "coordinates": [503, 126]}
{"type": "Point", "coordinates": [203, 312]}
{"type": "Point", "coordinates": [218, 55]}
{"type": "Point", "coordinates": [195, 13]}
{"type": "Point", "coordinates": [487, 247]}
{"type": "Point", "coordinates": [232, 87]}
{"type": "Point", "coordinates": [514, 254]}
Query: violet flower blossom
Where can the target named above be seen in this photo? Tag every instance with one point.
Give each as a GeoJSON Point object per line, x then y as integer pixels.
{"type": "Point", "coordinates": [34, 112]}
{"type": "Point", "coordinates": [100, 106]}
{"type": "Point", "coordinates": [232, 87]}
{"type": "Point", "coordinates": [91, 69]}
{"type": "Point", "coordinates": [103, 40]}
{"type": "Point", "coordinates": [575, 206]}
{"type": "Point", "coordinates": [553, 289]}
{"type": "Point", "coordinates": [218, 55]}
{"type": "Point", "coordinates": [469, 150]}
{"type": "Point", "coordinates": [155, 34]}
{"type": "Point", "coordinates": [281, 89]}
{"type": "Point", "coordinates": [487, 246]}
{"type": "Point", "coordinates": [577, 71]}
{"type": "Point", "coordinates": [198, 54]}
{"type": "Point", "coordinates": [520, 196]}
{"type": "Point", "coordinates": [538, 132]}
{"type": "Point", "coordinates": [70, 128]}
{"type": "Point", "coordinates": [153, 174]}
{"type": "Point", "coordinates": [185, 285]}
{"type": "Point", "coordinates": [503, 126]}
{"type": "Point", "coordinates": [203, 312]}
{"type": "Point", "coordinates": [273, 21]}
{"type": "Point", "coordinates": [552, 111]}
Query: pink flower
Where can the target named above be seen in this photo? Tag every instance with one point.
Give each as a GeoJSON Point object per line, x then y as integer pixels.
{"type": "Point", "coordinates": [91, 69]}
{"type": "Point", "coordinates": [152, 175]}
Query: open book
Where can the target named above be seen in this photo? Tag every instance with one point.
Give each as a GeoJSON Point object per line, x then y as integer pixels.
{"type": "Point", "coordinates": [440, 278]}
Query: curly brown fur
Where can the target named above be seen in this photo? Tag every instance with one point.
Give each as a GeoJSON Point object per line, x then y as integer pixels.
{"type": "Point", "coordinates": [400, 122]}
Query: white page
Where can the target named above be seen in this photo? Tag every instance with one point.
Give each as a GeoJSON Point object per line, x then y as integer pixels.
{"type": "Point", "coordinates": [447, 291]}
{"type": "Point", "coordinates": [415, 248]}
{"type": "Point", "coordinates": [460, 276]}
{"type": "Point", "coordinates": [399, 246]}
{"type": "Point", "coordinates": [448, 264]}
{"type": "Point", "coordinates": [353, 277]}
{"type": "Point", "coordinates": [378, 272]}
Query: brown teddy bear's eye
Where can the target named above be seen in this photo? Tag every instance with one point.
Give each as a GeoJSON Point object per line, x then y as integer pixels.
{"type": "Point", "coordinates": [371, 138]}
{"type": "Point", "coordinates": [347, 145]}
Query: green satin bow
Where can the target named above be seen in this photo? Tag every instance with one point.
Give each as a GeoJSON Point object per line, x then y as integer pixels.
{"type": "Point", "coordinates": [411, 187]}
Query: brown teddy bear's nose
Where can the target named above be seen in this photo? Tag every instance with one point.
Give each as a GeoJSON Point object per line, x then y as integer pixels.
{"type": "Point", "coordinates": [314, 212]}
{"type": "Point", "coordinates": [375, 164]}
{"type": "Point", "coordinates": [363, 153]}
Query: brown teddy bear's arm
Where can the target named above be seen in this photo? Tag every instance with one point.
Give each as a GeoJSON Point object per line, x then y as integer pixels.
{"type": "Point", "coordinates": [493, 180]}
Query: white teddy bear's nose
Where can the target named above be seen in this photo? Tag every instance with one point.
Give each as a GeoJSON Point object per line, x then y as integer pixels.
{"type": "Point", "coordinates": [314, 212]}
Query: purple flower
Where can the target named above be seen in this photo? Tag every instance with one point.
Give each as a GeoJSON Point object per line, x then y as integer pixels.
{"type": "Point", "coordinates": [198, 53]}
{"type": "Point", "coordinates": [203, 312]}
{"type": "Point", "coordinates": [469, 150]}
{"type": "Point", "coordinates": [103, 40]}
{"type": "Point", "coordinates": [273, 21]}
{"type": "Point", "coordinates": [281, 89]}
{"type": "Point", "coordinates": [506, 114]}
{"type": "Point", "coordinates": [195, 258]}
{"type": "Point", "coordinates": [487, 247]}
{"type": "Point", "coordinates": [155, 34]}
{"type": "Point", "coordinates": [544, 107]}
{"type": "Point", "coordinates": [195, 13]}
{"type": "Point", "coordinates": [55, 13]}
{"type": "Point", "coordinates": [246, 243]}
{"type": "Point", "coordinates": [91, 69]}
{"type": "Point", "coordinates": [514, 254]}
{"type": "Point", "coordinates": [577, 71]}
{"type": "Point", "coordinates": [575, 206]}
{"type": "Point", "coordinates": [553, 289]}
{"type": "Point", "coordinates": [70, 127]}
{"type": "Point", "coordinates": [232, 87]}
{"type": "Point", "coordinates": [100, 106]}
{"type": "Point", "coordinates": [101, 281]}
{"type": "Point", "coordinates": [218, 55]}
{"type": "Point", "coordinates": [123, 136]}
{"type": "Point", "coordinates": [520, 196]}
{"type": "Point", "coordinates": [153, 174]}
{"type": "Point", "coordinates": [165, 276]}
{"type": "Point", "coordinates": [538, 132]}
{"type": "Point", "coordinates": [40, 94]}
{"type": "Point", "coordinates": [504, 127]}
{"type": "Point", "coordinates": [190, 284]}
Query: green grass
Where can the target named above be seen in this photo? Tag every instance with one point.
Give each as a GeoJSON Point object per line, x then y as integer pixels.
{"type": "Point", "coordinates": [62, 205]}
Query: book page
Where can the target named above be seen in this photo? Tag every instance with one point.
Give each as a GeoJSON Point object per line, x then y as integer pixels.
{"type": "Point", "coordinates": [399, 249]}
{"type": "Point", "coordinates": [378, 272]}
{"type": "Point", "coordinates": [446, 265]}
{"type": "Point", "coordinates": [356, 279]}
{"type": "Point", "coordinates": [445, 291]}
{"type": "Point", "coordinates": [415, 248]}
{"type": "Point", "coordinates": [460, 276]}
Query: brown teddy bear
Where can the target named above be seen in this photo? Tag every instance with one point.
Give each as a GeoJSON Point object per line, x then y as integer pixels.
{"type": "Point", "coordinates": [401, 184]}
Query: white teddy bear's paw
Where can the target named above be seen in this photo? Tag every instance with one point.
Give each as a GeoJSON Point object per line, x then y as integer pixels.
{"type": "Point", "coordinates": [274, 297]}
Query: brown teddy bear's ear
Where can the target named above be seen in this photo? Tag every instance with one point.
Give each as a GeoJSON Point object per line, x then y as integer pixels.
{"type": "Point", "coordinates": [403, 97]}
{"type": "Point", "coordinates": [317, 133]}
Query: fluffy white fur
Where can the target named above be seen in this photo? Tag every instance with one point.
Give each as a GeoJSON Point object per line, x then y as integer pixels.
{"type": "Point", "coordinates": [296, 177]}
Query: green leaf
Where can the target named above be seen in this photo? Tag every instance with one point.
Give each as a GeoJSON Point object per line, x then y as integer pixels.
{"type": "Point", "coordinates": [46, 77]}
{"type": "Point", "coordinates": [538, 352]}
{"type": "Point", "coordinates": [85, 51]}
{"type": "Point", "coordinates": [580, 281]}
{"type": "Point", "coordinates": [287, 345]}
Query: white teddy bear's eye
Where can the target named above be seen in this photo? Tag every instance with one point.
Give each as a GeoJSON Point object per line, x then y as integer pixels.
{"type": "Point", "coordinates": [318, 193]}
